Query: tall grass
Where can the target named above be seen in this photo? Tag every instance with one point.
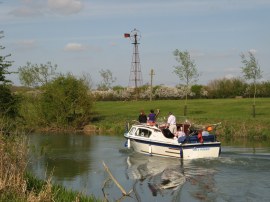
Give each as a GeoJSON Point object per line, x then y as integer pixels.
{"type": "Point", "coordinates": [12, 167]}
{"type": "Point", "coordinates": [40, 190]}
{"type": "Point", "coordinates": [234, 114]}
{"type": "Point", "coordinates": [17, 186]}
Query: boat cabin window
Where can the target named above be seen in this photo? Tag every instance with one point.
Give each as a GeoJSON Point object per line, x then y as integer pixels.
{"type": "Point", "coordinates": [143, 132]}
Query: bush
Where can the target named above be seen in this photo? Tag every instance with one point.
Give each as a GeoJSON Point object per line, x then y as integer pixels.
{"type": "Point", "coordinates": [226, 88]}
{"type": "Point", "coordinates": [66, 101]}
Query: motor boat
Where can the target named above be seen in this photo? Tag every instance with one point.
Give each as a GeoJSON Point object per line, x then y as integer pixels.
{"type": "Point", "coordinates": [156, 140]}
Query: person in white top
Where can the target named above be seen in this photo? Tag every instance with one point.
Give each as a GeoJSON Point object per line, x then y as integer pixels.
{"type": "Point", "coordinates": [171, 123]}
{"type": "Point", "coordinates": [180, 133]}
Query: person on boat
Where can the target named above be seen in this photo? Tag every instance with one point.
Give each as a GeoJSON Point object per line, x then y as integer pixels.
{"type": "Point", "coordinates": [206, 131]}
{"type": "Point", "coordinates": [180, 135]}
{"type": "Point", "coordinates": [167, 133]}
{"type": "Point", "coordinates": [152, 117]}
{"type": "Point", "coordinates": [171, 123]}
{"type": "Point", "coordinates": [200, 137]}
{"type": "Point", "coordinates": [142, 117]}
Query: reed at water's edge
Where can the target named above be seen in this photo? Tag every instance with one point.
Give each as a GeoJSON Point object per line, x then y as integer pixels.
{"type": "Point", "coordinates": [17, 185]}
{"type": "Point", "coordinates": [234, 114]}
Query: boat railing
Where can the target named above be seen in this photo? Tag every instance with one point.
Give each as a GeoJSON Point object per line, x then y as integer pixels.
{"type": "Point", "coordinates": [135, 122]}
{"type": "Point", "coordinates": [188, 127]}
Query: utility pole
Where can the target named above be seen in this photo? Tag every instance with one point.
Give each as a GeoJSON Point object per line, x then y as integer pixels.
{"type": "Point", "coordinates": [151, 83]}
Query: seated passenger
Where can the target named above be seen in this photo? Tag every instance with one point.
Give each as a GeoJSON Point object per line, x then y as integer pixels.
{"type": "Point", "coordinates": [205, 133]}
{"type": "Point", "coordinates": [180, 135]}
{"type": "Point", "coordinates": [167, 133]}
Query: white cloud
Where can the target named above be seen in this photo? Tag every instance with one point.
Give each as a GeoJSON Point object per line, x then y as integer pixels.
{"type": "Point", "coordinates": [25, 12]}
{"type": "Point", "coordinates": [74, 47]}
{"type": "Point", "coordinates": [30, 8]}
{"type": "Point", "coordinates": [254, 51]}
{"type": "Point", "coordinates": [229, 76]}
{"type": "Point", "coordinates": [65, 7]}
{"type": "Point", "coordinates": [26, 44]}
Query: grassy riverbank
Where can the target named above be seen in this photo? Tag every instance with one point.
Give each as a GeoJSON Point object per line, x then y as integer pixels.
{"type": "Point", "coordinates": [234, 114]}
{"type": "Point", "coordinates": [18, 186]}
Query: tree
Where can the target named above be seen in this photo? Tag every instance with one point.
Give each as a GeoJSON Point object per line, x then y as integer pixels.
{"type": "Point", "coordinates": [197, 89]}
{"type": "Point", "coordinates": [186, 71]}
{"type": "Point", "coordinates": [4, 64]}
{"type": "Point", "coordinates": [226, 88]}
{"type": "Point", "coordinates": [34, 75]}
{"type": "Point", "coordinates": [107, 79]}
{"type": "Point", "coordinates": [251, 71]}
{"type": "Point", "coordinates": [66, 101]}
{"type": "Point", "coordinates": [8, 101]}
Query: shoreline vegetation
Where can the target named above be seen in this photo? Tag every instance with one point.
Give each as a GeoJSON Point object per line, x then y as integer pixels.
{"type": "Point", "coordinates": [111, 117]}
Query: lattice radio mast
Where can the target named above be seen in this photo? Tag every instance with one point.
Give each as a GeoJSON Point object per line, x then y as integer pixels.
{"type": "Point", "coordinates": [135, 76]}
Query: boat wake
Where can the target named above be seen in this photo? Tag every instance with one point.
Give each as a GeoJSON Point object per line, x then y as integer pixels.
{"type": "Point", "coordinates": [159, 175]}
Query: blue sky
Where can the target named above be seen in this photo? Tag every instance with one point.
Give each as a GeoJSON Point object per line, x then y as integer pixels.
{"type": "Point", "coordinates": [85, 36]}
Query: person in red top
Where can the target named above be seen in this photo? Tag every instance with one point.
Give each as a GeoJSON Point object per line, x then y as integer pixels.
{"type": "Point", "coordinates": [200, 138]}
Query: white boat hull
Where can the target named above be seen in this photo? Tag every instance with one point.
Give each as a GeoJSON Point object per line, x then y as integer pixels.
{"type": "Point", "coordinates": [185, 151]}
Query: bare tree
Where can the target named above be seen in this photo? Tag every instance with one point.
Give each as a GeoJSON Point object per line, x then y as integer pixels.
{"type": "Point", "coordinates": [86, 77]}
{"type": "Point", "coordinates": [107, 79]}
{"type": "Point", "coordinates": [34, 75]}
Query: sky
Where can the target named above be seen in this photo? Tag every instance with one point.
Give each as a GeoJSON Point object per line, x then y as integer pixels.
{"type": "Point", "coordinates": [83, 37]}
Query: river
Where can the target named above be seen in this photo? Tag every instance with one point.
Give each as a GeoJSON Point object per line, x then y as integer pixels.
{"type": "Point", "coordinates": [241, 173]}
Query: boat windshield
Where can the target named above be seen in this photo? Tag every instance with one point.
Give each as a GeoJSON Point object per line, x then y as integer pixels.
{"type": "Point", "coordinates": [132, 130]}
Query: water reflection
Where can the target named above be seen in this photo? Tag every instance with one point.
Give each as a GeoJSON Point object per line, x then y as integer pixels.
{"type": "Point", "coordinates": [67, 153]}
{"type": "Point", "coordinates": [166, 176]}
{"type": "Point", "coordinates": [160, 175]}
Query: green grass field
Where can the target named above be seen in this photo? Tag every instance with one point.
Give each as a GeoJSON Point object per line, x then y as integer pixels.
{"type": "Point", "coordinates": [235, 114]}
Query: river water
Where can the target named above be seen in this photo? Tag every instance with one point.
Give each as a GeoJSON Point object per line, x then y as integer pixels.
{"type": "Point", "coordinates": [241, 173]}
